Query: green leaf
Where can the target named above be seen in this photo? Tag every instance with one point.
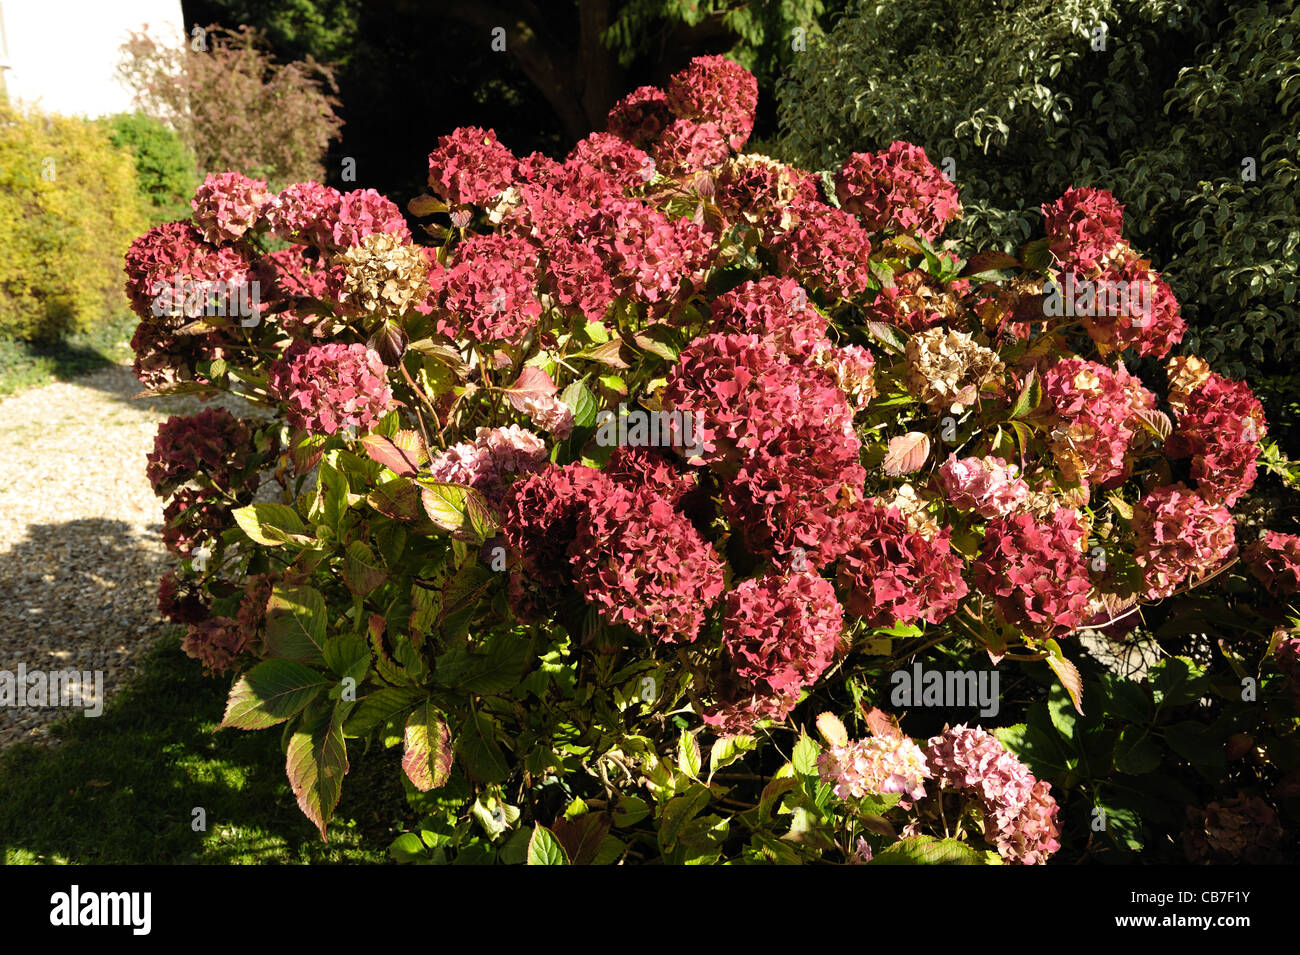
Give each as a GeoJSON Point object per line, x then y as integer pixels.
{"type": "Point", "coordinates": [479, 752]}
{"type": "Point", "coordinates": [271, 524]}
{"type": "Point", "coordinates": [361, 571]}
{"type": "Point", "coordinates": [270, 693]}
{"type": "Point", "coordinates": [427, 760]}
{"type": "Point", "coordinates": [582, 403]}
{"type": "Point", "coordinates": [1176, 681]}
{"type": "Point", "coordinates": [496, 669]}
{"type": "Point", "coordinates": [295, 623]}
{"type": "Point", "coordinates": [1067, 673]}
{"type": "Point", "coordinates": [805, 756]}
{"type": "Point", "coordinates": [407, 848]}
{"type": "Point", "coordinates": [545, 849]}
{"type": "Point", "coordinates": [1037, 748]}
{"type": "Point", "coordinates": [689, 759]}
{"type": "Point", "coordinates": [1126, 700]}
{"type": "Point", "coordinates": [461, 511]}
{"type": "Point", "coordinates": [316, 763]}
{"type": "Point", "coordinates": [680, 810]}
{"type": "Point", "coordinates": [1030, 396]}
{"type": "Point", "coordinates": [1061, 709]}
{"type": "Point", "coordinates": [1136, 752]}
{"type": "Point", "coordinates": [926, 850]}
{"type": "Point", "coordinates": [630, 811]}
{"type": "Point", "coordinates": [727, 750]}
{"type": "Point", "coordinates": [377, 708]}
{"type": "Point", "coordinates": [1200, 745]}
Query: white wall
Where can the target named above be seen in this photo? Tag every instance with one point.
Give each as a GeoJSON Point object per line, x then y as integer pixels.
{"type": "Point", "coordinates": [62, 54]}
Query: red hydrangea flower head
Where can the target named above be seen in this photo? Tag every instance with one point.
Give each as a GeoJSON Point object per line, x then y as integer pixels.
{"type": "Point", "coordinates": [988, 486]}
{"type": "Point", "coordinates": [650, 469]}
{"type": "Point", "coordinates": [492, 286]}
{"type": "Point", "coordinates": [775, 308]}
{"type": "Point", "coordinates": [179, 601]}
{"type": "Point", "coordinates": [640, 116]}
{"type": "Point", "coordinates": [640, 562]}
{"type": "Point", "coordinates": [470, 166]}
{"type": "Point", "coordinates": [603, 159]}
{"type": "Point", "coordinates": [716, 89]}
{"type": "Point", "coordinates": [1133, 308]}
{"type": "Point", "coordinates": [827, 250]}
{"type": "Point", "coordinates": [893, 573]}
{"type": "Point", "coordinates": [1274, 559]}
{"type": "Point", "coordinates": [217, 643]}
{"type": "Point", "coordinates": [1083, 226]}
{"type": "Point", "coordinates": [1179, 534]}
{"type": "Point", "coordinates": [780, 633]}
{"type": "Point", "coordinates": [687, 146]}
{"type": "Point", "coordinates": [193, 516]}
{"type": "Point", "coordinates": [305, 212]}
{"type": "Point", "coordinates": [899, 188]}
{"type": "Point", "coordinates": [1092, 409]}
{"type": "Point", "coordinates": [213, 443]}
{"type": "Point", "coordinates": [1220, 429]}
{"type": "Point", "coordinates": [328, 388]}
{"type": "Point", "coordinates": [229, 204]}
{"type": "Point", "coordinates": [364, 212]}
{"type": "Point", "coordinates": [1035, 571]}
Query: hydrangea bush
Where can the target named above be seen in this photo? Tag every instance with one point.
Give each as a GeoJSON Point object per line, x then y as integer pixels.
{"type": "Point", "coordinates": [614, 498]}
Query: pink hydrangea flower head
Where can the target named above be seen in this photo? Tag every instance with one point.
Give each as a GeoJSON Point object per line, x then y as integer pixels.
{"type": "Point", "coordinates": [217, 643]}
{"type": "Point", "coordinates": [603, 159]}
{"type": "Point", "coordinates": [716, 89]}
{"type": "Point", "coordinates": [179, 601]}
{"type": "Point", "coordinates": [469, 166]}
{"type": "Point", "coordinates": [328, 388]}
{"type": "Point", "coordinates": [876, 765]}
{"type": "Point", "coordinates": [1036, 571]}
{"type": "Point", "coordinates": [687, 146]}
{"type": "Point", "coordinates": [229, 204]}
{"type": "Point", "coordinates": [773, 308]}
{"type": "Point", "coordinates": [988, 486]}
{"type": "Point", "coordinates": [1083, 226]}
{"type": "Point", "coordinates": [490, 459]}
{"type": "Point", "coordinates": [213, 443]}
{"type": "Point", "coordinates": [1178, 534]}
{"type": "Point", "coordinates": [364, 212]}
{"type": "Point", "coordinates": [305, 212]}
{"type": "Point", "coordinates": [898, 188]}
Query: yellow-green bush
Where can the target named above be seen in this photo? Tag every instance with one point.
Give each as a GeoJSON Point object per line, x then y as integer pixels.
{"type": "Point", "coordinates": [69, 208]}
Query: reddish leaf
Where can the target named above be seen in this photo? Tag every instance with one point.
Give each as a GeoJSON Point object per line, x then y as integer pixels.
{"type": "Point", "coordinates": [906, 453]}
{"type": "Point", "coordinates": [402, 453]}
{"type": "Point", "coordinates": [581, 837]}
{"type": "Point", "coordinates": [399, 499]}
{"type": "Point", "coordinates": [988, 261]}
{"type": "Point", "coordinates": [832, 730]}
{"type": "Point", "coordinates": [428, 756]}
{"type": "Point", "coordinates": [533, 383]}
{"type": "Point", "coordinates": [881, 723]}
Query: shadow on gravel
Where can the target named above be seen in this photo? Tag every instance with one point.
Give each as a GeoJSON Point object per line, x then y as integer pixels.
{"type": "Point", "coordinates": [124, 788]}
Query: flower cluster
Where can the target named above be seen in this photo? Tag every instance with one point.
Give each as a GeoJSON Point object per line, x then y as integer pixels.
{"type": "Point", "coordinates": [1274, 559]}
{"type": "Point", "coordinates": [1092, 414]}
{"type": "Point", "coordinates": [1220, 429]}
{"type": "Point", "coordinates": [1242, 829]}
{"type": "Point", "coordinates": [779, 633]}
{"type": "Point", "coordinates": [328, 388]}
{"type": "Point", "coordinates": [489, 460]}
{"type": "Point", "coordinates": [898, 188]}
{"type": "Point", "coordinates": [1179, 535]}
{"type": "Point", "coordinates": [988, 486]}
{"type": "Point", "coordinates": [1035, 571]}
{"type": "Point", "coordinates": [1019, 811]}
{"type": "Point", "coordinates": [946, 369]}
{"type": "Point", "coordinates": [229, 204]}
{"type": "Point", "coordinates": [213, 444]}
{"type": "Point", "coordinates": [876, 765]}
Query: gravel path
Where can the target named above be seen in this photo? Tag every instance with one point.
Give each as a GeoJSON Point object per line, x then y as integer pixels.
{"type": "Point", "coordinates": [80, 551]}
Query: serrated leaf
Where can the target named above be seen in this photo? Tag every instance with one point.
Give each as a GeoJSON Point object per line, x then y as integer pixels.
{"type": "Point", "coordinates": [689, 759]}
{"type": "Point", "coordinates": [680, 810]}
{"type": "Point", "coordinates": [532, 385]}
{"type": "Point", "coordinates": [295, 623]}
{"type": "Point", "coordinates": [582, 403]}
{"type": "Point", "coordinates": [270, 693]}
{"type": "Point", "coordinates": [906, 453]}
{"type": "Point", "coordinates": [458, 509]}
{"type": "Point", "coordinates": [582, 836]}
{"type": "Point", "coordinates": [427, 760]}
{"type": "Point", "coordinates": [479, 751]}
{"type": "Point", "coordinates": [926, 850]}
{"type": "Point", "coordinates": [805, 754]}
{"type": "Point", "coordinates": [544, 848]}
{"type": "Point", "coordinates": [727, 750]}
{"type": "Point", "coordinates": [1030, 395]}
{"type": "Point", "coordinates": [1155, 421]}
{"type": "Point", "coordinates": [361, 570]}
{"type": "Point", "coordinates": [609, 353]}
{"type": "Point", "coordinates": [271, 524]}
{"type": "Point", "coordinates": [316, 763]}
{"type": "Point", "coordinates": [832, 730]}
{"type": "Point", "coordinates": [1136, 752]}
{"type": "Point", "coordinates": [375, 709]}
{"type": "Point", "coordinates": [403, 453]}
{"type": "Point", "coordinates": [1067, 673]}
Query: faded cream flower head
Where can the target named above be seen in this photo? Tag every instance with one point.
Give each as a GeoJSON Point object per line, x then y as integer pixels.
{"type": "Point", "coordinates": [382, 274]}
{"type": "Point", "coordinates": [1185, 374]}
{"type": "Point", "coordinates": [947, 368]}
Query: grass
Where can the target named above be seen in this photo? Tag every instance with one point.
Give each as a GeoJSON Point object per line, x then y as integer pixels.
{"type": "Point", "coordinates": [122, 788]}
{"type": "Point", "coordinates": [24, 364]}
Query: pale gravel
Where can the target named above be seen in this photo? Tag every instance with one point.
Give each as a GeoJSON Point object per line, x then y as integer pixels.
{"type": "Point", "coordinates": [80, 545]}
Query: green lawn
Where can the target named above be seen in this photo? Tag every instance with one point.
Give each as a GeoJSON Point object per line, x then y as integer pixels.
{"type": "Point", "coordinates": [24, 364]}
{"type": "Point", "coordinates": [122, 788]}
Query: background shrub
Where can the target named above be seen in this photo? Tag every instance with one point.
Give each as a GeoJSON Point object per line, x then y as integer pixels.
{"type": "Point", "coordinates": [68, 210]}
{"type": "Point", "coordinates": [164, 165]}
{"type": "Point", "coordinates": [234, 106]}
{"type": "Point", "coordinates": [1163, 108]}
